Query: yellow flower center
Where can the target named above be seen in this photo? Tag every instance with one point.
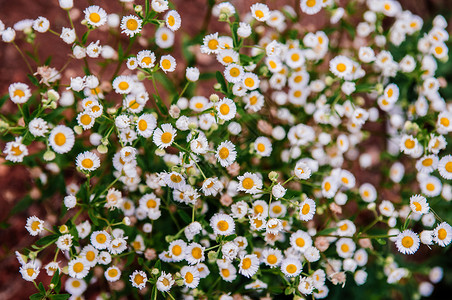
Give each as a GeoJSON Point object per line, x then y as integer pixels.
{"type": "Point", "coordinates": [253, 100]}
{"type": "Point", "coordinates": [276, 209]}
{"type": "Point", "coordinates": [60, 139]}
{"type": "Point", "coordinates": [151, 203]}
{"type": "Point", "coordinates": [132, 24]}
{"type": "Point", "coordinates": [260, 147]}
{"type": "Point", "coordinates": [138, 279]}
{"type": "Point", "coordinates": [90, 255]}
{"type": "Point", "coordinates": [259, 14]}
{"type": "Point", "coordinates": [177, 250]}
{"type": "Point", "coordinates": [35, 225]}
{"type": "Point", "coordinates": [94, 17]}
{"type": "Point", "coordinates": [166, 64]}
{"type": "Point", "coordinates": [164, 36]}
{"type": "Point", "coordinates": [442, 233]}
{"type": "Point", "coordinates": [30, 272]}
{"type": "Point", "coordinates": [16, 150]}
{"type": "Point", "coordinates": [175, 178]}
{"type": "Point", "coordinates": [19, 93]}
{"type": "Point", "coordinates": [101, 238]}
{"type": "Point", "coordinates": [272, 64]}
{"type": "Point", "coordinates": [123, 85]}
{"type": "Point", "coordinates": [225, 272]}
{"type": "Point", "coordinates": [142, 125]}
{"type": "Point", "coordinates": [291, 268]}
{"type": "Point", "coordinates": [249, 82]}
{"type": "Point", "coordinates": [448, 166]}
{"type": "Point", "coordinates": [78, 267]}
{"type": "Point", "coordinates": [85, 119]}
{"type": "Point", "coordinates": [112, 273]}
{"type": "Point", "coordinates": [196, 253]}
{"type": "Point", "coordinates": [246, 263]}
{"type": "Point", "coordinates": [212, 44]}
{"type": "Point", "coordinates": [234, 72]}
{"type": "Point", "coordinates": [310, 3]}
{"type": "Point", "coordinates": [165, 282]}
{"type": "Point", "coordinates": [430, 187]}
{"type": "Point", "coordinates": [445, 122]}
{"type": "Point", "coordinates": [345, 248]}
{"type": "Point", "coordinates": [409, 144]}
{"type": "Point", "coordinates": [427, 162]}
{"type": "Point", "coordinates": [407, 241]}
{"type": "Point", "coordinates": [167, 137]}
{"type": "Point", "coordinates": [87, 163]}
{"type": "Point", "coordinates": [146, 60]}
{"type": "Point", "coordinates": [227, 59]}
{"type": "Point", "coordinates": [224, 109]}
{"type": "Point", "coordinates": [189, 277]}
{"type": "Point", "coordinates": [327, 186]}
{"type": "Point", "coordinates": [222, 225]}
{"type": "Point", "coordinates": [171, 21]}
{"type": "Point", "coordinates": [248, 183]}
{"type": "Point", "coordinates": [295, 57]}
{"type": "Point", "coordinates": [300, 242]}
{"type": "Point", "coordinates": [272, 259]}
{"type": "Point", "coordinates": [417, 206]}
{"type": "Point", "coordinates": [224, 153]}
{"type": "Point", "coordinates": [341, 67]}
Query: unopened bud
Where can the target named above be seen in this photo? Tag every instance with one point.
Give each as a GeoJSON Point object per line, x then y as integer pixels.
{"type": "Point", "coordinates": [49, 155]}
{"type": "Point", "coordinates": [138, 8]}
{"type": "Point", "coordinates": [63, 229]}
{"type": "Point", "coordinates": [214, 98]}
{"type": "Point", "coordinates": [273, 176]}
{"type": "Point", "coordinates": [102, 149]}
{"type": "Point", "coordinates": [78, 129]}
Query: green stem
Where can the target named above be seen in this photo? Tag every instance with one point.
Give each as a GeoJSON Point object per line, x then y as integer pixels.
{"type": "Point", "coordinates": [24, 58]}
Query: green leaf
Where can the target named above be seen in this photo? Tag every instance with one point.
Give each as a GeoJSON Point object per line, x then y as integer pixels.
{"type": "Point", "coordinates": [56, 277]}
{"type": "Point", "coordinates": [47, 240]}
{"type": "Point", "coordinates": [33, 80]}
{"type": "Point", "coordinates": [184, 216]}
{"type": "Point", "coordinates": [162, 107]}
{"type": "Point", "coordinates": [21, 205]}
{"type": "Point", "coordinates": [59, 297]}
{"type": "Point", "coordinates": [37, 296]}
{"type": "Point", "coordinates": [235, 38]}
{"type": "Point", "coordinates": [327, 231]}
{"type": "Point", "coordinates": [41, 287]}
{"type": "Point", "coordinates": [230, 237]}
{"type": "Point", "coordinates": [158, 265]}
{"type": "Point", "coordinates": [166, 82]}
{"type": "Point", "coordinates": [222, 82]}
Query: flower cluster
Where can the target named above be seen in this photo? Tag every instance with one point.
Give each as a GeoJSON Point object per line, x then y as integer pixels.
{"type": "Point", "coordinates": [248, 180]}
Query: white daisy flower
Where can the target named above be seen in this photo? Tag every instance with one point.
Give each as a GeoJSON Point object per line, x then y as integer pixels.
{"type": "Point", "coordinates": [138, 279]}
{"type": "Point", "coordinates": [122, 84]}
{"type": "Point", "coordinates": [234, 73]}
{"type": "Point", "coordinates": [177, 250]}
{"type": "Point", "coordinates": [226, 109]}
{"type": "Point", "coordinates": [260, 12]}
{"type": "Point", "coordinates": [250, 81]}
{"type": "Point", "coordinates": [173, 20]}
{"type": "Point", "coordinates": [64, 242]}
{"type": "Point", "coordinates": [19, 92]}
{"type": "Point", "coordinates": [302, 171]}
{"type": "Point", "coordinates": [75, 287]}
{"type": "Point", "coordinates": [194, 253]}
{"type": "Point", "coordinates": [222, 224]}
{"type": "Point", "coordinates": [427, 164]}
{"type": "Point", "coordinates": [341, 66]}
{"type": "Point", "coordinates": [211, 44]}
{"type": "Point", "coordinates": [307, 209]}
{"type": "Point", "coordinates": [100, 239]}
{"type": "Point", "coordinates": [300, 240]}
{"type": "Point", "coordinates": [291, 267]}
{"type": "Point", "coordinates": [419, 204]}
{"type": "Point", "coordinates": [86, 120]}
{"type": "Point", "coordinates": [431, 186]}
{"type": "Point", "coordinates": [29, 271]}
{"type": "Point", "coordinates": [407, 242]}
{"type": "Point", "coordinates": [89, 253]}
{"type": "Point", "coordinates": [442, 234]}
{"type": "Point", "coordinates": [190, 275]}
{"type": "Point", "coordinates": [165, 282]}
{"type": "Point", "coordinates": [78, 268]}
{"type": "Point", "coordinates": [164, 38]}
{"type": "Point", "coordinates": [254, 101]}
{"type": "Point", "coordinates": [211, 186]}
{"type": "Point", "coordinates": [41, 24]}
{"type": "Point", "coordinates": [345, 247]}
{"type": "Point", "coordinates": [226, 153]}
{"type": "Point", "coordinates": [312, 254]}
{"type": "Point", "coordinates": [227, 56]}
{"type": "Point", "coordinates": [263, 146]}
{"type": "Point", "coordinates": [15, 151]}
{"type": "Point", "coordinates": [87, 161]}
{"type": "Point", "coordinates": [345, 228]}
{"type": "Point", "coordinates": [167, 63]}
{"type": "Point", "coordinates": [277, 209]}
{"type": "Point", "coordinates": [61, 139]}
{"type": "Point", "coordinates": [368, 192]}
{"type": "Point", "coordinates": [164, 137]}
{"type": "Point", "coordinates": [249, 264]}
{"type": "Point", "coordinates": [174, 180]}
{"type": "Point", "coordinates": [249, 183]}
{"type": "Point", "coordinates": [95, 15]}
{"type": "Point", "coordinates": [112, 274]}
{"type": "Point", "coordinates": [311, 7]}
{"type": "Point", "coordinates": [306, 285]}
{"type": "Point", "coordinates": [38, 127]}
{"type": "Point", "coordinates": [131, 25]}
{"type": "Point", "coordinates": [445, 167]}
{"type": "Point", "coordinates": [272, 257]}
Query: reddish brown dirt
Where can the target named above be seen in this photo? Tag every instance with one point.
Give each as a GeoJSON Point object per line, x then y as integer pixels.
{"type": "Point", "coordinates": [16, 182]}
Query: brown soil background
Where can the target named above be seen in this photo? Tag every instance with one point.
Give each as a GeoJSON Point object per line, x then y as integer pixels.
{"type": "Point", "coordinates": [17, 181]}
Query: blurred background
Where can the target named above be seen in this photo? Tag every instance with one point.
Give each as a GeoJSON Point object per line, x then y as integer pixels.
{"type": "Point", "coordinates": [17, 184]}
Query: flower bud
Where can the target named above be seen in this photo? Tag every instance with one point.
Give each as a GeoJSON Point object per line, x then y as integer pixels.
{"type": "Point", "coordinates": [78, 129]}
{"type": "Point", "coordinates": [49, 155]}
{"type": "Point", "coordinates": [138, 8]}
{"type": "Point", "coordinates": [214, 98]}
{"type": "Point", "coordinates": [102, 149]}
{"type": "Point", "coordinates": [63, 229]}
{"type": "Point", "coordinates": [273, 176]}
